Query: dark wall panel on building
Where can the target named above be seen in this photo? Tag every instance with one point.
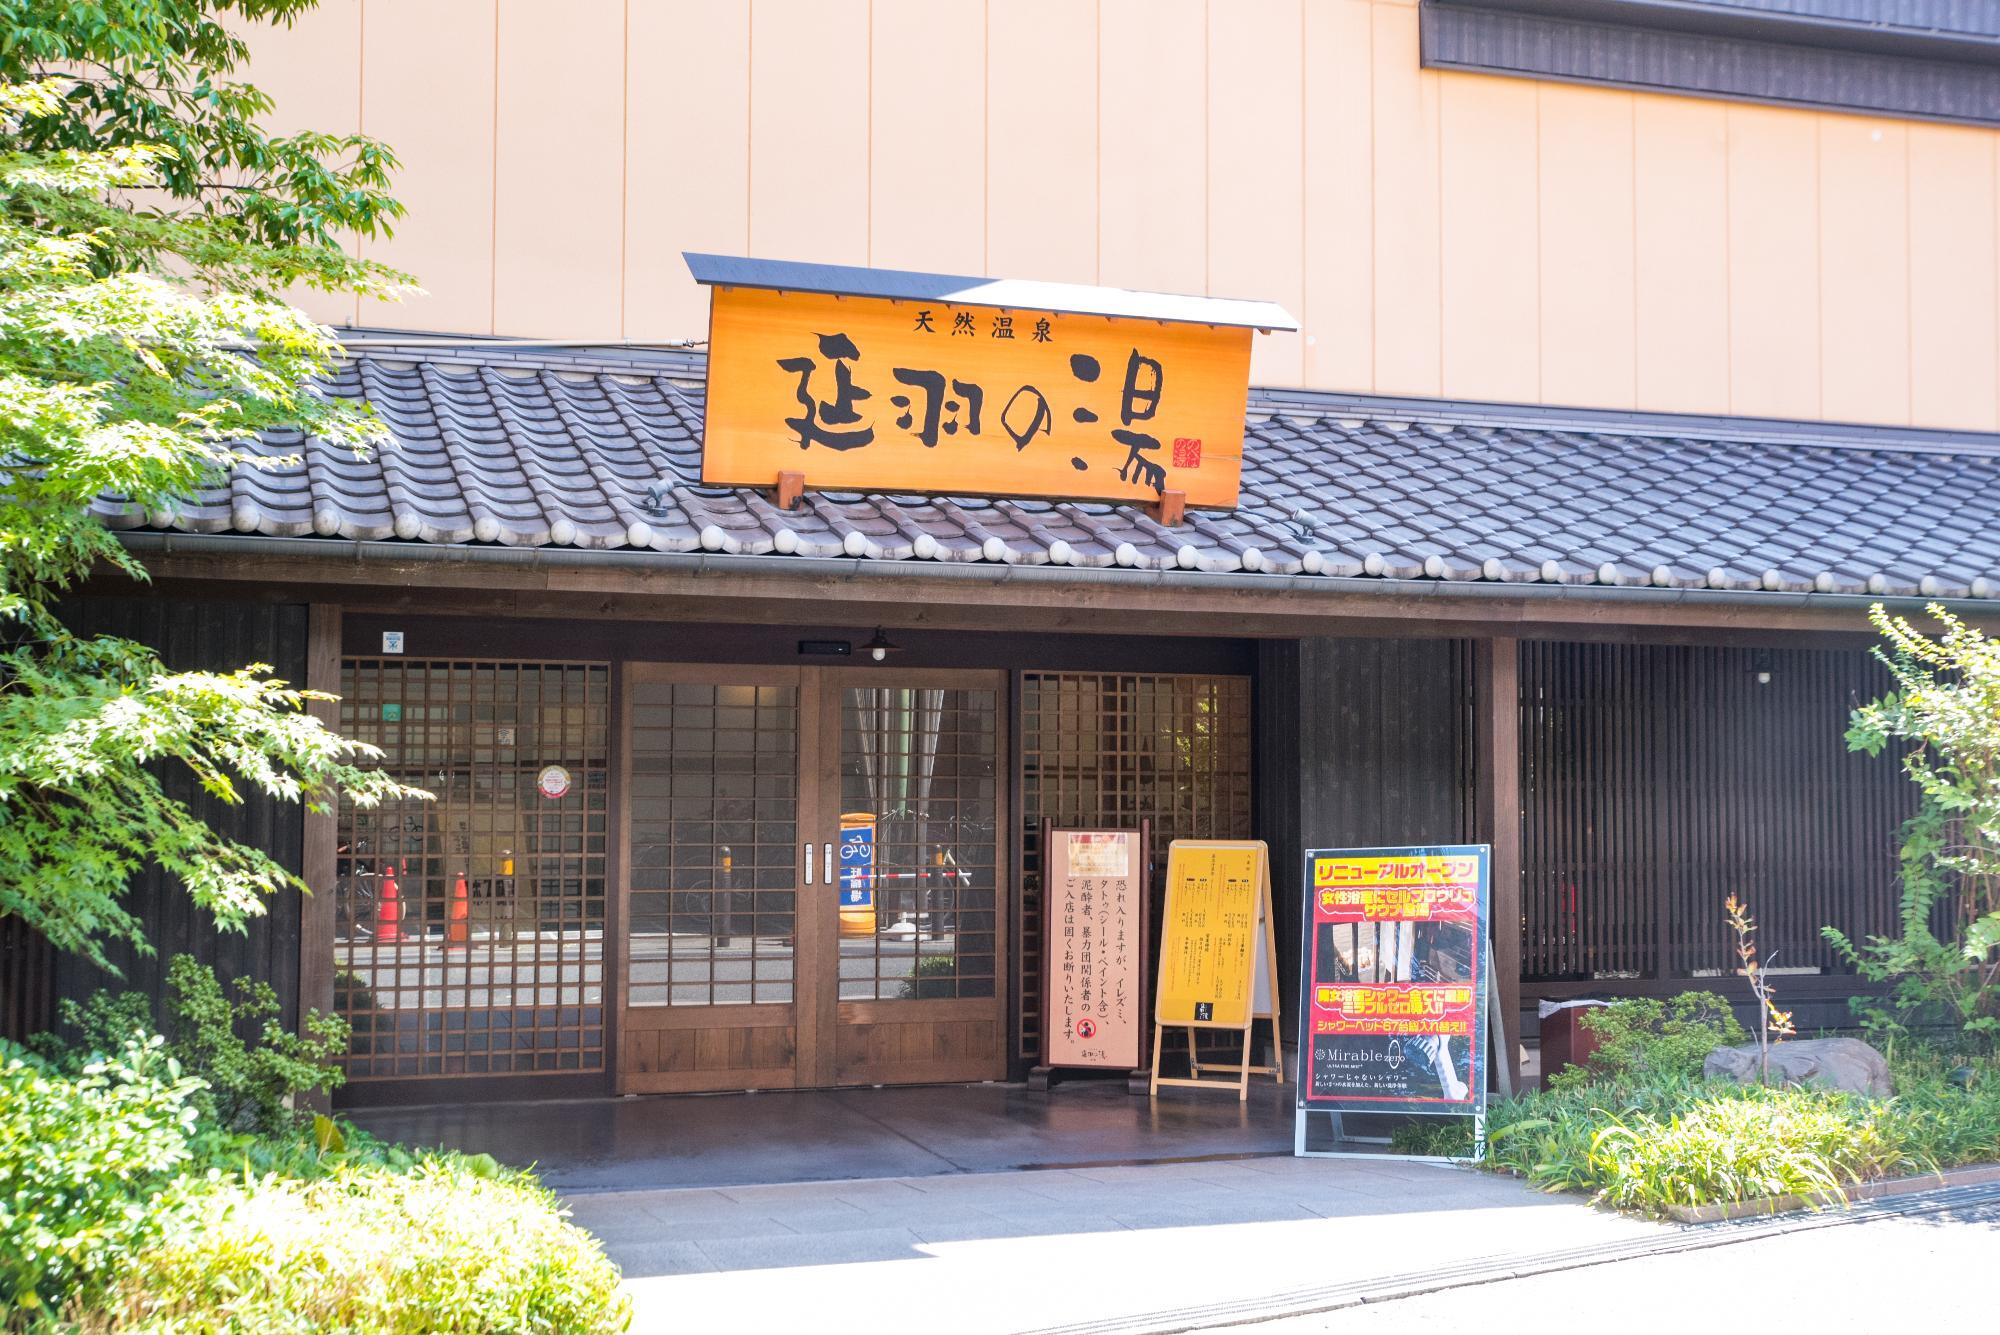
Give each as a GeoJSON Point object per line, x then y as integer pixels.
{"type": "Point", "coordinates": [193, 636]}
{"type": "Point", "coordinates": [1360, 742]}
{"type": "Point", "coordinates": [1658, 780]}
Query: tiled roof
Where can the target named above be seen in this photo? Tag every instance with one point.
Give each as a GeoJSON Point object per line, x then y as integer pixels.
{"type": "Point", "coordinates": [602, 451]}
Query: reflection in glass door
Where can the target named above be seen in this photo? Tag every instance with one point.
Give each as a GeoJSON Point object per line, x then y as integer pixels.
{"type": "Point", "coordinates": [917, 773]}
{"type": "Point", "coordinates": [919, 882]}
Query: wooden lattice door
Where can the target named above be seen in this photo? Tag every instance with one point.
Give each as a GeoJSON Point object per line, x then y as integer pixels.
{"type": "Point", "coordinates": [814, 893]}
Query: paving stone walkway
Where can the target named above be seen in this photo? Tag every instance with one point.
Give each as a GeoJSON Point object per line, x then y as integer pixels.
{"type": "Point", "coordinates": [1026, 1251]}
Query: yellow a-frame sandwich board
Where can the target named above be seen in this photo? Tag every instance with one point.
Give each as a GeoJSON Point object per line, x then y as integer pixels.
{"type": "Point", "coordinates": [1218, 957]}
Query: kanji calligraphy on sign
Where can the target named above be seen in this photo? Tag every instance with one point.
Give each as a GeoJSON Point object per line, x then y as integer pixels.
{"type": "Point", "coordinates": [1095, 889]}
{"type": "Point", "coordinates": [872, 393]}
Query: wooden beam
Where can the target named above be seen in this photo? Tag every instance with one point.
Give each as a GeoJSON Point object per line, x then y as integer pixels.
{"type": "Point", "coordinates": [1170, 509]}
{"type": "Point", "coordinates": [1497, 702]}
{"type": "Point", "coordinates": [681, 594]}
{"type": "Point", "coordinates": [320, 859]}
{"type": "Point", "coordinates": [791, 486]}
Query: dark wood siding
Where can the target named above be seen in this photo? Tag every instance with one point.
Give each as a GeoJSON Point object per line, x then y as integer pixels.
{"type": "Point", "coordinates": [27, 981]}
{"type": "Point", "coordinates": [1655, 781]}
{"type": "Point", "coordinates": [205, 636]}
{"type": "Point", "coordinates": [1659, 780]}
{"type": "Point", "coordinates": [1359, 742]}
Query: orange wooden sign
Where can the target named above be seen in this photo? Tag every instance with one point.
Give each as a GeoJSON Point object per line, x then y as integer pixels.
{"type": "Point", "coordinates": [878, 394]}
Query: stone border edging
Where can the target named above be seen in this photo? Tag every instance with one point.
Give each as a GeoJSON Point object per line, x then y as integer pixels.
{"type": "Point", "coordinates": [1971, 1176]}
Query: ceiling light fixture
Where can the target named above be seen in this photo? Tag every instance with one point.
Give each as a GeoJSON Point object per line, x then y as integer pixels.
{"type": "Point", "coordinates": [880, 648]}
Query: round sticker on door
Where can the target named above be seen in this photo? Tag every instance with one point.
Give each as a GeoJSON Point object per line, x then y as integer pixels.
{"type": "Point", "coordinates": [553, 781]}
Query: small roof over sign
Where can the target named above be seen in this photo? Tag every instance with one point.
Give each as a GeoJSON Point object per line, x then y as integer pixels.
{"type": "Point", "coordinates": [1011, 293]}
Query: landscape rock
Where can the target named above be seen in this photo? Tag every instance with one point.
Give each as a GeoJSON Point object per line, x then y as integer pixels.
{"type": "Point", "coordinates": [1831, 1063]}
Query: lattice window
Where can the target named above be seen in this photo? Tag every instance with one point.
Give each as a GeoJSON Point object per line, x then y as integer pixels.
{"type": "Point", "coordinates": [1112, 749]}
{"type": "Point", "coordinates": [488, 957]}
{"type": "Point", "coordinates": [714, 808]}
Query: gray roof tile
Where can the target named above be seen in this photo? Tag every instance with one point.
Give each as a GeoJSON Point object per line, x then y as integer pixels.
{"type": "Point", "coordinates": [602, 450]}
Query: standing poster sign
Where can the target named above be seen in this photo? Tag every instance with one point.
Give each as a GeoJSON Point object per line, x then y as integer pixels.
{"type": "Point", "coordinates": [1218, 958]}
{"type": "Point", "coordinates": [1094, 896]}
{"type": "Point", "coordinates": [1394, 979]}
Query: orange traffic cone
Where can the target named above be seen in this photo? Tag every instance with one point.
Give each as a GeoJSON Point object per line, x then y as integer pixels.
{"type": "Point", "coordinates": [388, 909]}
{"type": "Point", "coordinates": [458, 924]}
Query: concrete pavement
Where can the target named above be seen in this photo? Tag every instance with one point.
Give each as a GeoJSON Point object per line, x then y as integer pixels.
{"type": "Point", "coordinates": [1920, 1271]}
{"type": "Point", "coordinates": [580, 1145]}
{"type": "Point", "coordinates": [1022, 1251]}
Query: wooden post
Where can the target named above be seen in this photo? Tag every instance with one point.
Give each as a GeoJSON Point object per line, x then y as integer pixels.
{"type": "Point", "coordinates": [1497, 701]}
{"type": "Point", "coordinates": [1171, 508]}
{"type": "Point", "coordinates": [319, 860]}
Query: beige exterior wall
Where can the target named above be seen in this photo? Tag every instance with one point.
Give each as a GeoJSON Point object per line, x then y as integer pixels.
{"type": "Point", "coordinates": [1435, 234]}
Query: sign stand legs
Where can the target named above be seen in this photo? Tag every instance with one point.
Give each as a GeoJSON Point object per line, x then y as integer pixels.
{"type": "Point", "coordinates": [1503, 1069]}
{"type": "Point", "coordinates": [1242, 1069]}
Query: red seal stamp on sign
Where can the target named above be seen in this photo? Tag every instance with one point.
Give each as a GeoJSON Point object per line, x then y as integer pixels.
{"type": "Point", "coordinates": [1187, 451]}
{"type": "Point", "coordinates": [1086, 1028]}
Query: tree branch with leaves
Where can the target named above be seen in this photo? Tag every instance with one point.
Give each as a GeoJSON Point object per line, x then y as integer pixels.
{"type": "Point", "coordinates": [144, 346]}
{"type": "Point", "coordinates": [1945, 713]}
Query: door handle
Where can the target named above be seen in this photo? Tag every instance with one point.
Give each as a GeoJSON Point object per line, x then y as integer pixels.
{"type": "Point", "coordinates": [809, 861]}
{"type": "Point", "coordinates": [827, 852]}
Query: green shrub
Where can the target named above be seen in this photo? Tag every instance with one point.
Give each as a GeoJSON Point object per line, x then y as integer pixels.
{"type": "Point", "coordinates": [1650, 1145]}
{"type": "Point", "coordinates": [1939, 1120]}
{"type": "Point", "coordinates": [1548, 1137]}
{"type": "Point", "coordinates": [254, 1085]}
{"type": "Point", "coordinates": [88, 1168]}
{"type": "Point", "coordinates": [249, 1085]}
{"type": "Point", "coordinates": [1742, 1146]}
{"type": "Point", "coordinates": [445, 1247]}
{"type": "Point", "coordinates": [124, 1208]}
{"type": "Point", "coordinates": [1640, 1038]}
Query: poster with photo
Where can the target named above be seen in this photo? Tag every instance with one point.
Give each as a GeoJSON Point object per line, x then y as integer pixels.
{"type": "Point", "coordinates": [1393, 986]}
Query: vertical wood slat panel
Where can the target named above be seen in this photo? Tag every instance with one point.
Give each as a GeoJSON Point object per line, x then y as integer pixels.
{"type": "Point", "coordinates": [211, 636]}
{"type": "Point", "coordinates": [1661, 779]}
{"type": "Point", "coordinates": [27, 981]}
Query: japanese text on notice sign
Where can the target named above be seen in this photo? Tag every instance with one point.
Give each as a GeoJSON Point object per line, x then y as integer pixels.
{"type": "Point", "coordinates": [1095, 886]}
{"type": "Point", "coordinates": [1209, 936]}
{"type": "Point", "coordinates": [1393, 978]}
